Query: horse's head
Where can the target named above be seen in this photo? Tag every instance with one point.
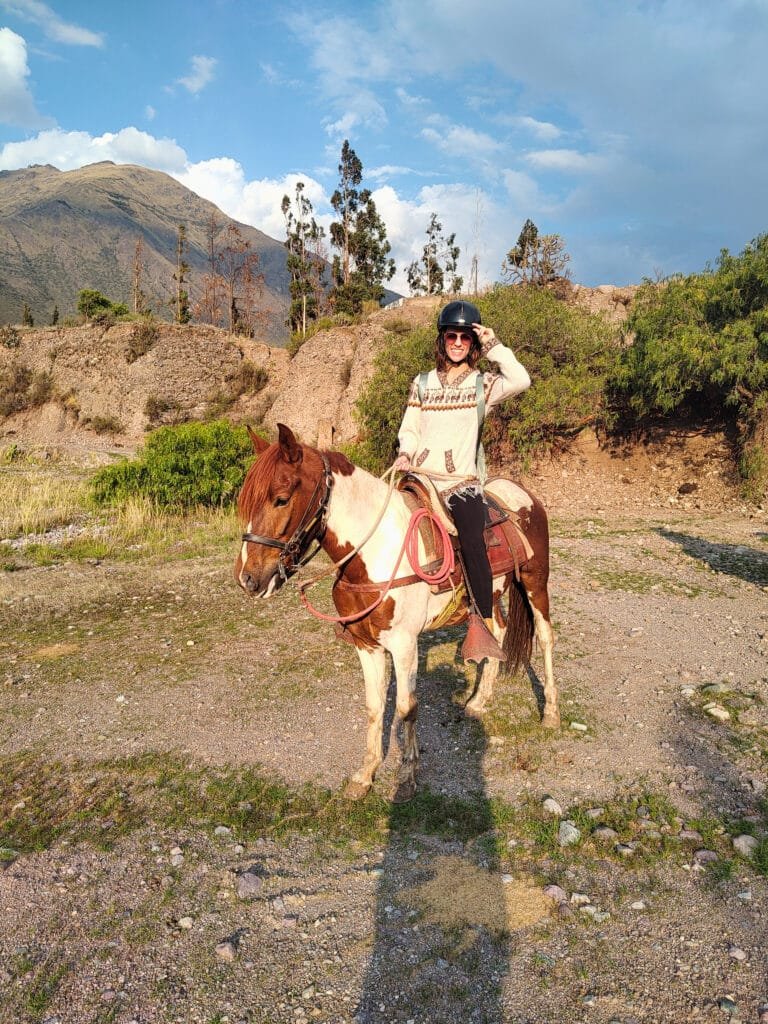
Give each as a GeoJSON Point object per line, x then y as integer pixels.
{"type": "Point", "coordinates": [280, 492]}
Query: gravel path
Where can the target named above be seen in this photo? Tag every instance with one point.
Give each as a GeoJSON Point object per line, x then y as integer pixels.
{"type": "Point", "coordinates": [662, 625]}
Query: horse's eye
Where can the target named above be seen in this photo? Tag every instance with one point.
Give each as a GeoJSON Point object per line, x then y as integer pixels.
{"type": "Point", "coordinates": [280, 502]}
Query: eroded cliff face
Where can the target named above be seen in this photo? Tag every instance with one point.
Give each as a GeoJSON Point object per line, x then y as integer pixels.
{"type": "Point", "coordinates": [186, 372]}
{"type": "Point", "coordinates": [102, 376]}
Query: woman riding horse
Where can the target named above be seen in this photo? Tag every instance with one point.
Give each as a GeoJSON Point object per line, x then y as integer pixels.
{"type": "Point", "coordinates": [440, 437]}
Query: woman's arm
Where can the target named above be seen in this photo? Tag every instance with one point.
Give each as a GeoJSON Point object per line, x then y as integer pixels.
{"type": "Point", "coordinates": [512, 377]}
{"type": "Point", "coordinates": [408, 435]}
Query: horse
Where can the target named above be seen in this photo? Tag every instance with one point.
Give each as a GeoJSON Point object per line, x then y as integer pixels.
{"type": "Point", "coordinates": [294, 496]}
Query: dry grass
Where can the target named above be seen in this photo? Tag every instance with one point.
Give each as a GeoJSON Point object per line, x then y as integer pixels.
{"type": "Point", "coordinates": [33, 500]}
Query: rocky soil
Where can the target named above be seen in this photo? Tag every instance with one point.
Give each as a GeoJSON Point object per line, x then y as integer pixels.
{"type": "Point", "coordinates": [612, 872]}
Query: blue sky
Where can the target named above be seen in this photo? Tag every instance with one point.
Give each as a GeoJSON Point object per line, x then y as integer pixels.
{"type": "Point", "coordinates": [636, 130]}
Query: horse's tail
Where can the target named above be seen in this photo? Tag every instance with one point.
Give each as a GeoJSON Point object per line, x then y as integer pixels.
{"type": "Point", "coordinates": [518, 639]}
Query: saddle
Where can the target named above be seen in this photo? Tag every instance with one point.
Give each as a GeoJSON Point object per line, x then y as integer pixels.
{"type": "Point", "coordinates": [506, 544]}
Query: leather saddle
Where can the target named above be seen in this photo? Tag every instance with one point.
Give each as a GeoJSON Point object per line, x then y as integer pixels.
{"type": "Point", "coordinates": [506, 544]}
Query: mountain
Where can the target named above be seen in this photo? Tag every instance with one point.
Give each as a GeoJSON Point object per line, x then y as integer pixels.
{"type": "Point", "coordinates": [62, 231]}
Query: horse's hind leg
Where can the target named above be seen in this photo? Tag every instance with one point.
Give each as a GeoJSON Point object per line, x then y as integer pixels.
{"type": "Point", "coordinates": [375, 672]}
{"type": "Point", "coordinates": [536, 588]}
{"type": "Point", "coordinates": [405, 655]}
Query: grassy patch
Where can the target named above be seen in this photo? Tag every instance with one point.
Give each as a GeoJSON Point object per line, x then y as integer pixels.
{"type": "Point", "coordinates": [636, 582]}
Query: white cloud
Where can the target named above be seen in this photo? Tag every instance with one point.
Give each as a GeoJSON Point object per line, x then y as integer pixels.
{"type": "Point", "coordinates": [53, 26]}
{"type": "Point", "coordinates": [465, 143]}
{"type": "Point", "coordinates": [68, 150]}
{"type": "Point", "coordinates": [16, 103]}
{"type": "Point", "coordinates": [482, 227]}
{"type": "Point", "coordinates": [201, 74]}
{"type": "Point", "coordinates": [150, 113]}
{"type": "Point", "coordinates": [342, 128]}
{"type": "Point", "coordinates": [544, 130]}
{"type": "Point", "coordinates": [566, 160]}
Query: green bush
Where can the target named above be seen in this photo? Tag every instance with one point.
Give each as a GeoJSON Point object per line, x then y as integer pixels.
{"type": "Point", "coordinates": [701, 349]}
{"type": "Point", "coordinates": [181, 467]}
{"type": "Point", "coordinates": [568, 353]}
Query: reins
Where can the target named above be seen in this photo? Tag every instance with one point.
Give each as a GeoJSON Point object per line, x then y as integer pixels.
{"type": "Point", "coordinates": [410, 547]}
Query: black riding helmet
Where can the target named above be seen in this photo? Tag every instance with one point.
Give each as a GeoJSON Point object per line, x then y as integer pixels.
{"type": "Point", "coordinates": [458, 314]}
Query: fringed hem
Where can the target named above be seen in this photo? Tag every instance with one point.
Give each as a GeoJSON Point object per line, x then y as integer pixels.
{"type": "Point", "coordinates": [468, 486]}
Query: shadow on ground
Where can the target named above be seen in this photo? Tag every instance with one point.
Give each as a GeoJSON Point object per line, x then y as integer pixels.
{"type": "Point", "coordinates": [739, 560]}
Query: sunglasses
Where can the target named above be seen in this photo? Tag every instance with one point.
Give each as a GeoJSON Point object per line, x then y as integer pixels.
{"type": "Point", "coordinates": [459, 336]}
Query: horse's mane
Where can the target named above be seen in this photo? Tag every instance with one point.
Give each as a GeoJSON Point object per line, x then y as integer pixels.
{"type": "Point", "coordinates": [255, 489]}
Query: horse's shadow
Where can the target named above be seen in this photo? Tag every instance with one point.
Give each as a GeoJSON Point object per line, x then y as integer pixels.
{"type": "Point", "coordinates": [441, 945]}
{"type": "Point", "coordinates": [745, 563]}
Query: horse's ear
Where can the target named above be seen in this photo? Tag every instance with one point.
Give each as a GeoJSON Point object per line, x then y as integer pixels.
{"type": "Point", "coordinates": [289, 446]}
{"type": "Point", "coordinates": [259, 444]}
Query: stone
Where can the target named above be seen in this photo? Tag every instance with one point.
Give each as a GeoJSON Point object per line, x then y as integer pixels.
{"type": "Point", "coordinates": [580, 899]}
{"type": "Point", "coordinates": [568, 834]}
{"type": "Point", "coordinates": [551, 806]}
{"type": "Point", "coordinates": [637, 905]}
{"type": "Point", "coordinates": [226, 951]}
{"type": "Point", "coordinates": [689, 835]}
{"type": "Point", "coordinates": [222, 830]}
{"type": "Point", "coordinates": [578, 726]}
{"type": "Point", "coordinates": [555, 893]}
{"type": "Point", "coordinates": [624, 849]}
{"type": "Point", "coordinates": [715, 689]}
{"type": "Point", "coordinates": [248, 885]}
{"type": "Point", "coordinates": [727, 1005]}
{"type": "Point", "coordinates": [745, 845]}
{"type": "Point", "coordinates": [705, 857]}
{"type": "Point", "coordinates": [718, 712]}
{"type": "Point", "coordinates": [605, 834]}
{"type": "Point", "coordinates": [595, 813]}
{"type": "Point", "coordinates": [186, 923]}
{"type": "Point", "coordinates": [737, 953]}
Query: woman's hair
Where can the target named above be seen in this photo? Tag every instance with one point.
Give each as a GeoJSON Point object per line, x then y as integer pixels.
{"type": "Point", "coordinates": [441, 357]}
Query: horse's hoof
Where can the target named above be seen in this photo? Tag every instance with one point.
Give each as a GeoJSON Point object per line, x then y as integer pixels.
{"type": "Point", "coordinates": [474, 710]}
{"type": "Point", "coordinates": [405, 791]}
{"type": "Point", "coordinates": [356, 790]}
{"type": "Point", "coordinates": [551, 720]}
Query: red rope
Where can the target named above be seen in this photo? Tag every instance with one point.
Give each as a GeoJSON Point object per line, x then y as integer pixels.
{"type": "Point", "coordinates": [410, 548]}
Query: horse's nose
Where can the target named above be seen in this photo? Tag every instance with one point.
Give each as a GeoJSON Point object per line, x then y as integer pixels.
{"type": "Point", "coordinates": [249, 582]}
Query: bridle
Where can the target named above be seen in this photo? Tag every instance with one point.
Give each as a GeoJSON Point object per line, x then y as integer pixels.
{"type": "Point", "coordinates": [295, 552]}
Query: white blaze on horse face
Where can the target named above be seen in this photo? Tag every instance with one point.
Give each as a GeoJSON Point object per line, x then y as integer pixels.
{"type": "Point", "coordinates": [244, 553]}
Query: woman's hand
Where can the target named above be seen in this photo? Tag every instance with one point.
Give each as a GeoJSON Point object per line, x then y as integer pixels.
{"type": "Point", "coordinates": [486, 337]}
{"type": "Point", "coordinates": [402, 463]}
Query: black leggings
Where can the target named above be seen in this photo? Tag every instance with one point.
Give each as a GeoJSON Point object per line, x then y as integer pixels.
{"type": "Point", "coordinates": [468, 511]}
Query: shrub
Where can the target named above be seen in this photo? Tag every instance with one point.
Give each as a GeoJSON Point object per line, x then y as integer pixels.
{"type": "Point", "coordinates": [181, 467]}
{"type": "Point", "coordinates": [568, 352]}
{"type": "Point", "coordinates": [570, 355]}
{"type": "Point", "coordinates": [9, 337]}
{"type": "Point", "coordinates": [22, 388]}
{"type": "Point", "coordinates": [104, 424]}
{"type": "Point", "coordinates": [156, 409]}
{"type": "Point", "coordinates": [142, 339]}
{"type": "Point", "coordinates": [701, 349]}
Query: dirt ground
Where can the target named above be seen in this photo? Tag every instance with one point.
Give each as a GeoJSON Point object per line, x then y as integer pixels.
{"type": "Point", "coordinates": [660, 603]}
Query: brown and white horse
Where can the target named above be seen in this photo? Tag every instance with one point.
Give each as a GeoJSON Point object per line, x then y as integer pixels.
{"type": "Point", "coordinates": [294, 495]}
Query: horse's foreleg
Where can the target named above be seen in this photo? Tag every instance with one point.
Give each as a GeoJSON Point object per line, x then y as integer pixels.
{"type": "Point", "coordinates": [374, 665]}
{"type": "Point", "coordinates": [406, 657]}
{"type": "Point", "coordinates": [546, 637]}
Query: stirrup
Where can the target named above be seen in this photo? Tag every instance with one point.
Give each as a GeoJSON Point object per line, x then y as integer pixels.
{"type": "Point", "coordinates": [480, 642]}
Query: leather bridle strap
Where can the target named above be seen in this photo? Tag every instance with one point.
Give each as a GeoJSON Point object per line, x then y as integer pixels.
{"type": "Point", "coordinates": [293, 552]}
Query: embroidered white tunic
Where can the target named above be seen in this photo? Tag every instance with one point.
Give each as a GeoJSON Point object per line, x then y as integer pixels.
{"type": "Point", "coordinates": [439, 432]}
